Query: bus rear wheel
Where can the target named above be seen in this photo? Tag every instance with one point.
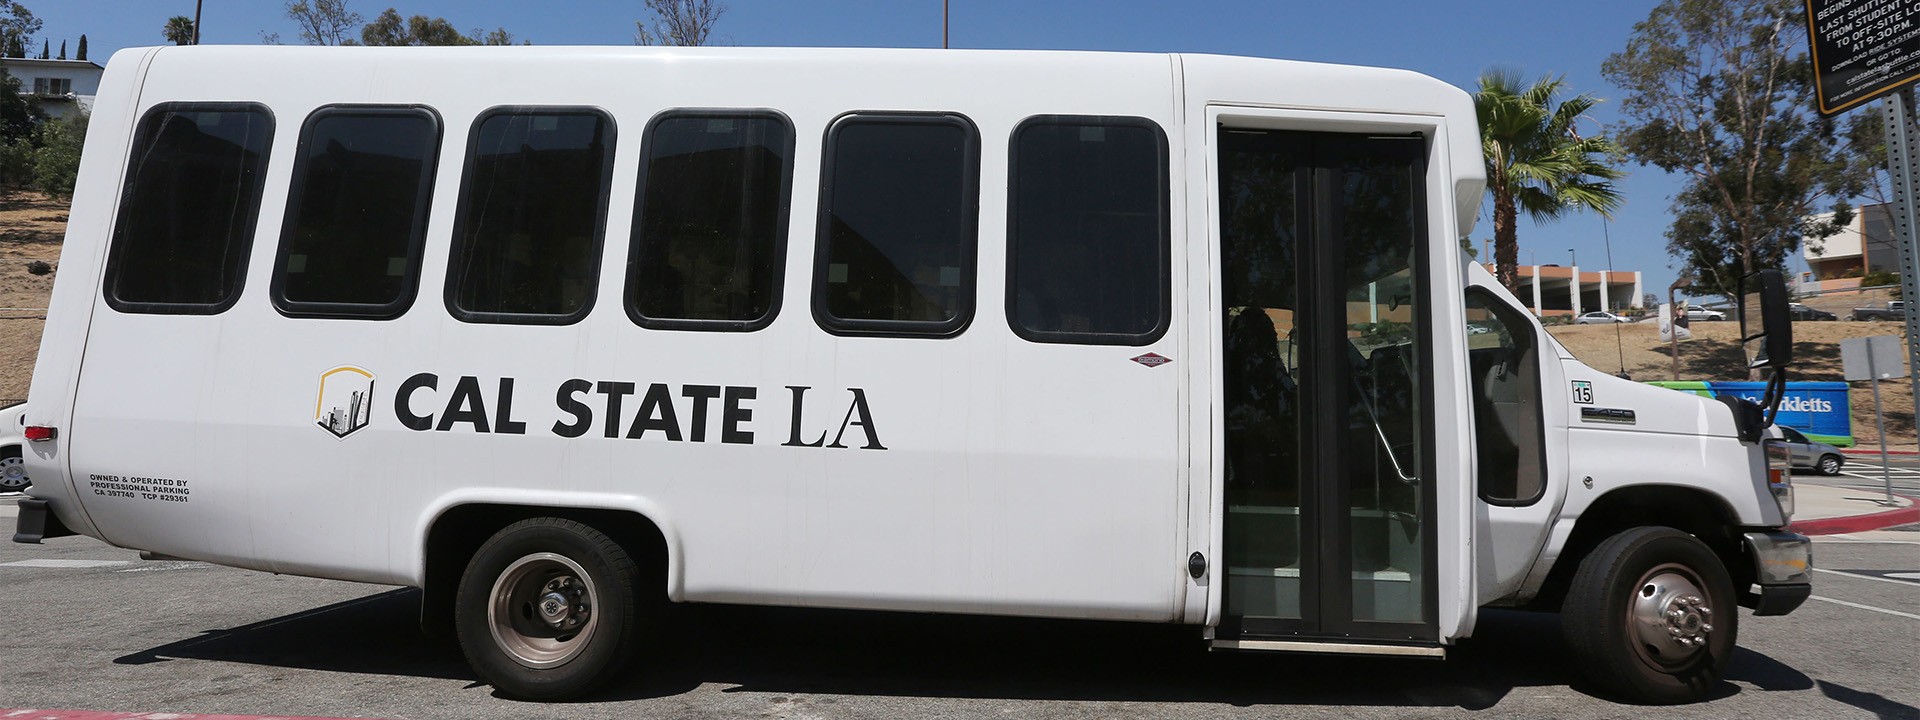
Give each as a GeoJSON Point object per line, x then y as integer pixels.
{"type": "Point", "coordinates": [546, 609]}
{"type": "Point", "coordinates": [1651, 614]}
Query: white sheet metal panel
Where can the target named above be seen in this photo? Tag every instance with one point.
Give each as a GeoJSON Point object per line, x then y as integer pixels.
{"type": "Point", "coordinates": [1019, 478]}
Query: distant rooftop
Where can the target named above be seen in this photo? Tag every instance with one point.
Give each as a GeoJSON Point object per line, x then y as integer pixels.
{"type": "Point", "coordinates": [25, 62]}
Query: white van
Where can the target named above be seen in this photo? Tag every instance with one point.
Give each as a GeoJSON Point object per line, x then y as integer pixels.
{"type": "Point", "coordinates": [558, 334]}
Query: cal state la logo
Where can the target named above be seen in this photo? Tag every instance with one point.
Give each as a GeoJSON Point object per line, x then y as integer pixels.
{"type": "Point", "coordinates": [345, 402]}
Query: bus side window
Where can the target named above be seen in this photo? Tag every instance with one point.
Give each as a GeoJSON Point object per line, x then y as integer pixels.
{"type": "Point", "coordinates": [526, 242]}
{"type": "Point", "coordinates": [357, 214]}
{"type": "Point", "coordinates": [899, 215]}
{"type": "Point", "coordinates": [1503, 357]}
{"type": "Point", "coordinates": [710, 220]}
{"type": "Point", "coordinates": [1088, 229]}
{"type": "Point", "coordinates": [188, 211]}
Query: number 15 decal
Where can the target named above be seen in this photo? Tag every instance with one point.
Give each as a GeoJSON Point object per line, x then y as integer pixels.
{"type": "Point", "coordinates": [1583, 392]}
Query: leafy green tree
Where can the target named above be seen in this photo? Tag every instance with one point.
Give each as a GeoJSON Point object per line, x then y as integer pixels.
{"type": "Point", "coordinates": [17, 24]}
{"type": "Point", "coordinates": [678, 22]}
{"type": "Point", "coordinates": [178, 30]}
{"type": "Point", "coordinates": [20, 112]}
{"type": "Point", "coordinates": [389, 29]}
{"type": "Point", "coordinates": [57, 162]}
{"type": "Point", "coordinates": [1537, 160]}
{"type": "Point", "coordinates": [324, 22]}
{"type": "Point", "coordinates": [1718, 92]}
{"type": "Point", "coordinates": [20, 120]}
{"type": "Point", "coordinates": [499, 36]}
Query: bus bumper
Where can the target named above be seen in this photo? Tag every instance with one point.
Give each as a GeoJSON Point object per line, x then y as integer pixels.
{"type": "Point", "coordinates": [37, 522]}
{"type": "Point", "coordinates": [1782, 570]}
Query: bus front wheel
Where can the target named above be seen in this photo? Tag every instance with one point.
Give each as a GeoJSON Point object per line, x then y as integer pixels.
{"type": "Point", "coordinates": [546, 609]}
{"type": "Point", "coordinates": [1651, 613]}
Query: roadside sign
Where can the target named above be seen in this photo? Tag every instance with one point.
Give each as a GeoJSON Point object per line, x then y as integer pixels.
{"type": "Point", "coordinates": [1672, 322]}
{"type": "Point", "coordinates": [1871, 358]}
{"type": "Point", "coordinates": [1862, 49]}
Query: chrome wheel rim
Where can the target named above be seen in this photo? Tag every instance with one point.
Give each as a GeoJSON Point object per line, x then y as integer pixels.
{"type": "Point", "coordinates": [1669, 617]}
{"type": "Point", "coordinates": [1830, 466]}
{"type": "Point", "coordinates": [542, 612]}
{"type": "Point", "coordinates": [13, 473]}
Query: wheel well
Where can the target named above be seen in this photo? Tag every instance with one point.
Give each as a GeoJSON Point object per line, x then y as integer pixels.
{"type": "Point", "coordinates": [459, 531]}
{"type": "Point", "coordinates": [1689, 510]}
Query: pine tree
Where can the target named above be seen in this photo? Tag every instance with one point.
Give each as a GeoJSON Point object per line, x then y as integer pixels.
{"type": "Point", "coordinates": [81, 54]}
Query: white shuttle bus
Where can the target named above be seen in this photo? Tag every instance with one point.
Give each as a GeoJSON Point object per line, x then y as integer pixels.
{"type": "Point", "coordinates": [560, 335]}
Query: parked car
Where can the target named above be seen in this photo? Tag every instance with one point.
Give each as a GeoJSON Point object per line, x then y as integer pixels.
{"type": "Point", "coordinates": [1809, 454]}
{"type": "Point", "coordinates": [1697, 314]}
{"type": "Point", "coordinates": [1802, 312]}
{"type": "Point", "coordinates": [1891, 310]}
{"type": "Point", "coordinates": [1599, 318]}
{"type": "Point", "coordinates": [13, 468]}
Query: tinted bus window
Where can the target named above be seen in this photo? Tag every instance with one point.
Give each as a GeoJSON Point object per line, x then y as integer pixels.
{"type": "Point", "coordinates": [188, 209]}
{"type": "Point", "coordinates": [898, 217]}
{"type": "Point", "coordinates": [357, 215]}
{"type": "Point", "coordinates": [1088, 231]}
{"type": "Point", "coordinates": [710, 225]}
{"type": "Point", "coordinates": [527, 236]}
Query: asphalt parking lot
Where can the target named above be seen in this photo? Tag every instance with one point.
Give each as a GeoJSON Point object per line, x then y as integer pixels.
{"type": "Point", "coordinates": [93, 627]}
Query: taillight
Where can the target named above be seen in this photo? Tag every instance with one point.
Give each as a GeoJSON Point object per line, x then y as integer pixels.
{"type": "Point", "coordinates": [40, 433]}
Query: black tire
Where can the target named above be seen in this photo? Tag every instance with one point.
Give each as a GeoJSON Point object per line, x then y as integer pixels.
{"type": "Point", "coordinates": [544, 556]}
{"type": "Point", "coordinates": [13, 470]}
{"type": "Point", "coordinates": [1651, 568]}
{"type": "Point", "coordinates": [1830, 464]}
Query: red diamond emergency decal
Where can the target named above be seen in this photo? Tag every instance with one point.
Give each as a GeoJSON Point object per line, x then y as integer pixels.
{"type": "Point", "coordinates": [1153, 360]}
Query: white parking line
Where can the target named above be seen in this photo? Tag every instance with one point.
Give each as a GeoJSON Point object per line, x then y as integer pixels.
{"type": "Point", "coordinates": [56, 563]}
{"type": "Point", "coordinates": [1865, 607]}
{"type": "Point", "coordinates": [1907, 583]}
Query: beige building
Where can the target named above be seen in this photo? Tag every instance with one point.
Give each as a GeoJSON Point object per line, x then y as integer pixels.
{"type": "Point", "coordinates": [1554, 291]}
{"type": "Point", "coordinates": [1863, 246]}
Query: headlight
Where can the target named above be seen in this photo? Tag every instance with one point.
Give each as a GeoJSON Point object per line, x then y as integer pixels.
{"type": "Point", "coordinates": [1780, 477]}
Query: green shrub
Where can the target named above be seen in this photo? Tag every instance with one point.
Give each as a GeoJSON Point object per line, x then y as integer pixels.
{"type": "Point", "coordinates": [57, 162]}
{"type": "Point", "coordinates": [16, 162]}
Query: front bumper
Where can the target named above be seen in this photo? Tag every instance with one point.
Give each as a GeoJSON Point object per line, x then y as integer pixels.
{"type": "Point", "coordinates": [1782, 570]}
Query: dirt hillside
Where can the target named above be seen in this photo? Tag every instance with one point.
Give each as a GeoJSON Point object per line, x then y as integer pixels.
{"type": "Point", "coordinates": [1714, 354]}
{"type": "Point", "coordinates": [31, 228]}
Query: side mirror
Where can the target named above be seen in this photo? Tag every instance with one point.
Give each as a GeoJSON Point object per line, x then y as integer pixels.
{"type": "Point", "coordinates": [1766, 322]}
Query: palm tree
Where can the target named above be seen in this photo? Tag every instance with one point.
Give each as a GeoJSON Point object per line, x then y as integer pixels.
{"type": "Point", "coordinates": [1537, 160]}
{"type": "Point", "coordinates": [179, 30]}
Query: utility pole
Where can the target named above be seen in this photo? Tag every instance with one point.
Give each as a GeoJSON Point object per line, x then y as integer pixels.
{"type": "Point", "coordinates": [943, 23]}
{"type": "Point", "coordinates": [196, 21]}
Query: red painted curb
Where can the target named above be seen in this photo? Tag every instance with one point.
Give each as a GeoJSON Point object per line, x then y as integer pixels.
{"type": "Point", "coordinates": [1860, 523]}
{"type": "Point", "coordinates": [30, 714]}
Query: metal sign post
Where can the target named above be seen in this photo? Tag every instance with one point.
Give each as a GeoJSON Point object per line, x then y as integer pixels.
{"type": "Point", "coordinates": [1902, 134]}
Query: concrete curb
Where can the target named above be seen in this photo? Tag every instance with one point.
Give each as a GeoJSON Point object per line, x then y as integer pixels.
{"type": "Point", "coordinates": [1860, 523]}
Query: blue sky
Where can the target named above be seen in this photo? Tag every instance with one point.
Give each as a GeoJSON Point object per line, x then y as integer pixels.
{"type": "Point", "coordinates": [1450, 41]}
